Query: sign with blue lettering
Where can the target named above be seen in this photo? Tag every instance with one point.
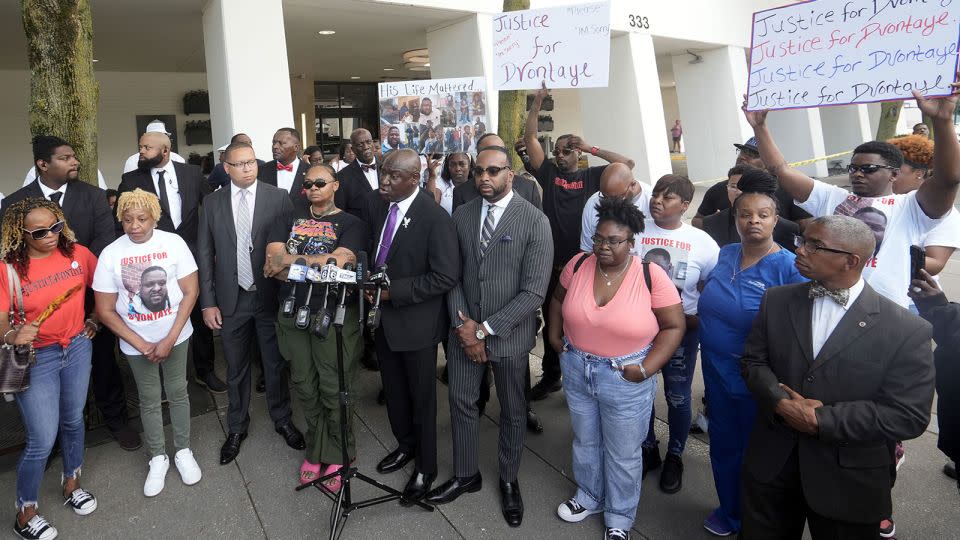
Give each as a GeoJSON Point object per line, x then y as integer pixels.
{"type": "Point", "coordinates": [841, 52]}
{"type": "Point", "coordinates": [564, 47]}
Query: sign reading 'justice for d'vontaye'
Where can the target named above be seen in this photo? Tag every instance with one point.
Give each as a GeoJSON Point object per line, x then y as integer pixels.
{"type": "Point", "coordinates": [837, 52]}
{"type": "Point", "coordinates": [564, 47]}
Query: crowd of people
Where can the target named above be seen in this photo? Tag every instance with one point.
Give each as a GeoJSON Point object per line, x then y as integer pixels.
{"type": "Point", "coordinates": [795, 294]}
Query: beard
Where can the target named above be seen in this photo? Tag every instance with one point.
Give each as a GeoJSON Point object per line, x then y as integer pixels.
{"type": "Point", "coordinates": [145, 164]}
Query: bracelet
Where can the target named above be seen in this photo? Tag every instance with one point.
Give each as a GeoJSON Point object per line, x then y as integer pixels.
{"type": "Point", "coordinates": [7, 334]}
{"type": "Point", "coordinates": [95, 324]}
{"type": "Point", "coordinates": [594, 150]}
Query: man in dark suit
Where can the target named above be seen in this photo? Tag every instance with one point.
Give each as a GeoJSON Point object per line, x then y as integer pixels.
{"type": "Point", "coordinates": [88, 214]}
{"type": "Point", "coordinates": [287, 169]}
{"type": "Point", "coordinates": [180, 188]}
{"type": "Point", "coordinates": [218, 177]}
{"type": "Point", "coordinates": [506, 251]}
{"type": "Point", "coordinates": [237, 298]}
{"type": "Point", "coordinates": [840, 374]}
{"type": "Point", "coordinates": [360, 177]}
{"type": "Point", "coordinates": [416, 240]}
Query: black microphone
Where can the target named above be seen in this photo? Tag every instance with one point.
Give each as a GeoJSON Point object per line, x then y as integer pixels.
{"type": "Point", "coordinates": [297, 274]}
{"type": "Point", "coordinates": [342, 305]}
{"type": "Point", "coordinates": [373, 318]}
{"type": "Point", "coordinates": [303, 314]}
{"type": "Point", "coordinates": [361, 276]}
{"type": "Point", "coordinates": [321, 324]}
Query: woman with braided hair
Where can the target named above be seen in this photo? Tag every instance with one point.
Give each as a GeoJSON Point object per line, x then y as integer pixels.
{"type": "Point", "coordinates": [41, 249]}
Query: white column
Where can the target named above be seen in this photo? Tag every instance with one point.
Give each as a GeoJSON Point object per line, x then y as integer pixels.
{"type": "Point", "coordinates": [800, 137]}
{"type": "Point", "coordinates": [710, 94]}
{"type": "Point", "coordinates": [464, 48]}
{"type": "Point", "coordinates": [627, 116]}
{"type": "Point", "coordinates": [248, 79]}
{"type": "Point", "coordinates": [844, 128]}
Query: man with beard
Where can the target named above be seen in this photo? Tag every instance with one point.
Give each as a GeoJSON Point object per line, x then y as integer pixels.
{"type": "Point", "coordinates": [156, 126]}
{"type": "Point", "coordinates": [359, 177]}
{"type": "Point", "coordinates": [428, 114]}
{"type": "Point", "coordinates": [286, 171]}
{"type": "Point", "coordinates": [393, 140]}
{"type": "Point", "coordinates": [88, 214]}
{"type": "Point", "coordinates": [180, 188]}
{"type": "Point", "coordinates": [153, 296]}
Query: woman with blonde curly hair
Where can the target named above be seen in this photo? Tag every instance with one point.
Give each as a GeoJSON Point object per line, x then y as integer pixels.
{"type": "Point", "coordinates": [39, 247]}
{"type": "Point", "coordinates": [146, 285]}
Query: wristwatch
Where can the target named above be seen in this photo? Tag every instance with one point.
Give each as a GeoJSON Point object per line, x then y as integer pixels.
{"type": "Point", "coordinates": [480, 333]}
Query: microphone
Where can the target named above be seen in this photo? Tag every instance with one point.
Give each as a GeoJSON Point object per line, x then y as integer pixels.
{"type": "Point", "coordinates": [380, 281]}
{"type": "Point", "coordinates": [361, 275]}
{"type": "Point", "coordinates": [303, 314]}
{"type": "Point", "coordinates": [297, 274]}
{"type": "Point", "coordinates": [342, 305]}
{"type": "Point", "coordinates": [321, 324]}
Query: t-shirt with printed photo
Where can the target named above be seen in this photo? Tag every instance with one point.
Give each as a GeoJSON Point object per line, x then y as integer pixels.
{"type": "Point", "coordinates": [146, 278]}
{"type": "Point", "coordinates": [564, 196]}
{"type": "Point", "coordinates": [686, 254]}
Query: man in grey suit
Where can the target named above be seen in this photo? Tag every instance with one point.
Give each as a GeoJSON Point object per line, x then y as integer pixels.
{"type": "Point", "coordinates": [235, 295]}
{"type": "Point", "coordinates": [506, 252]}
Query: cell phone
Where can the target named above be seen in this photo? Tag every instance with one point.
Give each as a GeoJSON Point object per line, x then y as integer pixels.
{"type": "Point", "coordinates": [918, 260]}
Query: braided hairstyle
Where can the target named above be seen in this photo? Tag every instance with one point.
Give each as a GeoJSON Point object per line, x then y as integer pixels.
{"type": "Point", "coordinates": [138, 198]}
{"type": "Point", "coordinates": [757, 181]}
{"type": "Point", "coordinates": [13, 247]}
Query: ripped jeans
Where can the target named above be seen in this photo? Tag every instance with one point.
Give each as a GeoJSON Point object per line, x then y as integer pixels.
{"type": "Point", "coordinates": [677, 382]}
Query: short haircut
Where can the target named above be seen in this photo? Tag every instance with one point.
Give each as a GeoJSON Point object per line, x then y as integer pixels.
{"type": "Point", "coordinates": [887, 152]}
{"type": "Point", "coordinates": [620, 211]}
{"type": "Point", "coordinates": [677, 185]}
{"type": "Point", "coordinates": [871, 210]}
{"type": "Point", "coordinates": [918, 124]}
{"type": "Point", "coordinates": [44, 146]}
{"type": "Point", "coordinates": [237, 136]}
{"type": "Point", "coordinates": [496, 149]}
{"type": "Point", "coordinates": [311, 149]}
{"type": "Point", "coordinates": [484, 136]}
{"type": "Point", "coordinates": [658, 252]}
{"type": "Point", "coordinates": [112, 193]}
{"type": "Point", "coordinates": [234, 146]}
{"type": "Point", "coordinates": [754, 181]}
{"type": "Point", "coordinates": [445, 170]}
{"type": "Point", "coordinates": [291, 131]}
{"type": "Point", "coordinates": [138, 198]}
{"type": "Point", "coordinates": [738, 169]}
{"type": "Point", "coordinates": [850, 232]}
{"type": "Point", "coordinates": [152, 269]}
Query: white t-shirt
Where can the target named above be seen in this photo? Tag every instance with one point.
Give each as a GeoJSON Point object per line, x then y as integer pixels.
{"type": "Point", "coordinates": [588, 219]}
{"type": "Point", "coordinates": [898, 222]}
{"type": "Point", "coordinates": [686, 254]}
{"type": "Point", "coordinates": [144, 276]}
{"type": "Point", "coordinates": [947, 233]}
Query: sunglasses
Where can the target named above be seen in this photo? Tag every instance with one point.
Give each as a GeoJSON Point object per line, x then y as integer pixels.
{"type": "Point", "coordinates": [563, 151]}
{"type": "Point", "coordinates": [40, 234]}
{"type": "Point", "coordinates": [869, 168]}
{"type": "Point", "coordinates": [307, 184]}
{"type": "Point", "coordinates": [491, 170]}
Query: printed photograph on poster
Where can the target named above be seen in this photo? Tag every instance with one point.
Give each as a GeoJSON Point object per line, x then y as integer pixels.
{"type": "Point", "coordinates": [865, 210]}
{"type": "Point", "coordinates": [672, 258]}
{"type": "Point", "coordinates": [149, 293]}
{"type": "Point", "coordinates": [438, 116]}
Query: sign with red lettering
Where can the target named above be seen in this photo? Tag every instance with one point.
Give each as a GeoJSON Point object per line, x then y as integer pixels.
{"type": "Point", "coordinates": [841, 52]}
{"type": "Point", "coordinates": [564, 47]}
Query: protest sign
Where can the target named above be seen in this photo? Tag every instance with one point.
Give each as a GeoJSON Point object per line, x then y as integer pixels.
{"type": "Point", "coordinates": [839, 52]}
{"type": "Point", "coordinates": [565, 46]}
{"type": "Point", "coordinates": [437, 116]}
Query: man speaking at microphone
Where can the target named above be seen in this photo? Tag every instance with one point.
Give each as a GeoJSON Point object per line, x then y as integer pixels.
{"type": "Point", "coordinates": [415, 238]}
{"type": "Point", "coordinates": [317, 233]}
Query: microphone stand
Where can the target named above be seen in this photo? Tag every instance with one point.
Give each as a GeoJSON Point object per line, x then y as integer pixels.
{"type": "Point", "coordinates": [343, 503]}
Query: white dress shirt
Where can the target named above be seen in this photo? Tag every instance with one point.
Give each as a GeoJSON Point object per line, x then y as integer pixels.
{"type": "Point", "coordinates": [371, 175]}
{"type": "Point", "coordinates": [285, 177]}
{"type": "Point", "coordinates": [235, 202]}
{"type": "Point", "coordinates": [32, 175]}
{"type": "Point", "coordinates": [826, 314]}
{"type": "Point", "coordinates": [47, 192]}
{"type": "Point", "coordinates": [501, 207]}
{"type": "Point", "coordinates": [173, 190]}
{"type": "Point", "coordinates": [402, 208]}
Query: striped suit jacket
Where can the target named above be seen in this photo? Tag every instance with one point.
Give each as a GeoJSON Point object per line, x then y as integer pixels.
{"type": "Point", "coordinates": [505, 285]}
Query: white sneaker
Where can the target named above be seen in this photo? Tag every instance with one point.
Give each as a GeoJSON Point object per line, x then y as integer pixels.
{"type": "Point", "coordinates": [189, 470]}
{"type": "Point", "coordinates": [157, 475]}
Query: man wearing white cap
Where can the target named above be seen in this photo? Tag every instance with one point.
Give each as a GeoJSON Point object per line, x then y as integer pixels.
{"type": "Point", "coordinates": [131, 163]}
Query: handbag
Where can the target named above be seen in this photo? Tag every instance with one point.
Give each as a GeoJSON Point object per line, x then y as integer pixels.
{"type": "Point", "coordinates": [15, 360]}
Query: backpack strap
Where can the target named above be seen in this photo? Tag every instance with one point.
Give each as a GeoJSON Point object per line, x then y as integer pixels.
{"type": "Point", "coordinates": [576, 265]}
{"type": "Point", "coordinates": [646, 277]}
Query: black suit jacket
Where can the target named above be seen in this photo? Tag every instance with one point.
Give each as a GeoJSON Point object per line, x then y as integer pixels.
{"type": "Point", "coordinates": [875, 377]}
{"type": "Point", "coordinates": [722, 228]}
{"type": "Point", "coordinates": [523, 187]}
{"type": "Point", "coordinates": [423, 265]}
{"type": "Point", "coordinates": [352, 193]}
{"type": "Point", "coordinates": [217, 246]}
{"type": "Point", "coordinates": [267, 173]}
{"type": "Point", "coordinates": [84, 206]}
{"type": "Point", "coordinates": [192, 191]}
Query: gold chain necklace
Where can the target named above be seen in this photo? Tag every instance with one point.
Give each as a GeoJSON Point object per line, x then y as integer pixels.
{"type": "Point", "coordinates": [334, 210]}
{"type": "Point", "coordinates": [610, 279]}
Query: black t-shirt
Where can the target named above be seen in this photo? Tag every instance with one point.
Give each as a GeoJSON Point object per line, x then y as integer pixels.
{"type": "Point", "coordinates": [564, 195]}
{"type": "Point", "coordinates": [318, 236]}
{"type": "Point", "coordinates": [715, 200]}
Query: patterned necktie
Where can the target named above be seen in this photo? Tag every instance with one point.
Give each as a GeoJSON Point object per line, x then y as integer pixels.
{"type": "Point", "coordinates": [244, 243]}
{"type": "Point", "coordinates": [840, 296]}
{"type": "Point", "coordinates": [387, 240]}
{"type": "Point", "coordinates": [55, 196]}
{"type": "Point", "coordinates": [488, 227]}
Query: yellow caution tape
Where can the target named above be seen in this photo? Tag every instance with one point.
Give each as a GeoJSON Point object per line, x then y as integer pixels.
{"type": "Point", "coordinates": [794, 164]}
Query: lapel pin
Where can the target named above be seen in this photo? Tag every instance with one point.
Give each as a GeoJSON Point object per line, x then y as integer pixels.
{"type": "Point", "coordinates": [506, 238]}
{"type": "Point", "coordinates": [862, 324]}
{"type": "Point", "coordinates": [406, 221]}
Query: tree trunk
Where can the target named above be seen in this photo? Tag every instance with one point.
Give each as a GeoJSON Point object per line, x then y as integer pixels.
{"type": "Point", "coordinates": [513, 103]}
{"type": "Point", "coordinates": [63, 89]}
{"type": "Point", "coordinates": [889, 116]}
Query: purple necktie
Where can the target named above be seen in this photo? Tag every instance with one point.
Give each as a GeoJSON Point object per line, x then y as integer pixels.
{"type": "Point", "coordinates": [387, 239]}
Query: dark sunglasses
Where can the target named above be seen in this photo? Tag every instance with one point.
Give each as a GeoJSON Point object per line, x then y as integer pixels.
{"type": "Point", "coordinates": [564, 151]}
{"type": "Point", "coordinates": [40, 234]}
{"type": "Point", "coordinates": [491, 170]}
{"type": "Point", "coordinates": [869, 168]}
{"type": "Point", "coordinates": [307, 184]}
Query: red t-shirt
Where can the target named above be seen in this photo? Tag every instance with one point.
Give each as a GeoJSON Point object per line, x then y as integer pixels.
{"type": "Point", "coordinates": [47, 279]}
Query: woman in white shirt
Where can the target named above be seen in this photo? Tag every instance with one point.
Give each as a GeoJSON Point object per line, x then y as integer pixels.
{"type": "Point", "coordinates": [146, 286]}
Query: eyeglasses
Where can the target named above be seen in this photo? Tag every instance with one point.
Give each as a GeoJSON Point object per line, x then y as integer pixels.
{"type": "Point", "coordinates": [491, 170]}
{"type": "Point", "coordinates": [868, 168]}
{"type": "Point", "coordinates": [811, 248]}
{"type": "Point", "coordinates": [40, 234]}
{"type": "Point", "coordinates": [242, 164]}
{"type": "Point", "coordinates": [599, 241]}
{"type": "Point", "coordinates": [307, 184]}
{"type": "Point", "coordinates": [564, 151]}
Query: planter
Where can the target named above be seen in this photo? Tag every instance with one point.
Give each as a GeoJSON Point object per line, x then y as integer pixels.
{"type": "Point", "coordinates": [198, 132]}
{"type": "Point", "coordinates": [546, 105]}
{"type": "Point", "coordinates": [545, 123]}
{"type": "Point", "coordinates": [196, 102]}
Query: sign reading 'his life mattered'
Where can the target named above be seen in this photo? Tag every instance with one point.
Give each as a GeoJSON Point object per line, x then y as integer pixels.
{"type": "Point", "coordinates": [564, 47]}
{"type": "Point", "coordinates": [837, 52]}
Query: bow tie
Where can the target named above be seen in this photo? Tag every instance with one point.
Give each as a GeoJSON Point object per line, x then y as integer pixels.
{"type": "Point", "coordinates": [840, 296]}
{"type": "Point", "coordinates": [367, 168]}
{"type": "Point", "coordinates": [282, 167]}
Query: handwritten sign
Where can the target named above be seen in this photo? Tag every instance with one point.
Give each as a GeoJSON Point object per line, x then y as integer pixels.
{"type": "Point", "coordinates": [437, 116]}
{"type": "Point", "coordinates": [566, 47]}
{"type": "Point", "coordinates": [838, 52]}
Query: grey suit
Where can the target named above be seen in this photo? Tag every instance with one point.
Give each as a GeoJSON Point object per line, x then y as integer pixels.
{"type": "Point", "coordinates": [503, 286]}
{"type": "Point", "coordinates": [245, 313]}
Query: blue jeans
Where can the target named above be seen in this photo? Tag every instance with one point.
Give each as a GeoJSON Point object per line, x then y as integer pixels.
{"type": "Point", "coordinates": [677, 383]}
{"type": "Point", "coordinates": [610, 416]}
{"type": "Point", "coordinates": [54, 401]}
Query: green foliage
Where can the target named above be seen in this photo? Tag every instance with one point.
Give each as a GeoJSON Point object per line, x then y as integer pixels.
{"type": "Point", "coordinates": [513, 111]}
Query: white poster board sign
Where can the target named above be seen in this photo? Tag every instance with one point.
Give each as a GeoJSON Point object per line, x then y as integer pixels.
{"type": "Point", "coordinates": [565, 47]}
{"type": "Point", "coordinates": [839, 52]}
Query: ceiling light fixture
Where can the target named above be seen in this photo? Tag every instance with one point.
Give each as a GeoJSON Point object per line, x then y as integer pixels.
{"type": "Point", "coordinates": [414, 55]}
{"type": "Point", "coordinates": [354, 77]}
{"type": "Point", "coordinates": [416, 67]}
{"type": "Point", "coordinates": [327, 32]}
{"type": "Point", "coordinates": [95, 60]}
{"type": "Point", "coordinates": [388, 69]}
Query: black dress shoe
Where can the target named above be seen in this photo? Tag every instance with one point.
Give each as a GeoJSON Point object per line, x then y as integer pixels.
{"type": "Point", "coordinates": [417, 487]}
{"type": "Point", "coordinates": [127, 438]}
{"type": "Point", "coordinates": [381, 397]}
{"type": "Point", "coordinates": [211, 382]}
{"type": "Point", "coordinates": [511, 502]}
{"type": "Point", "coordinates": [230, 448]}
{"type": "Point", "coordinates": [455, 487]}
{"type": "Point", "coordinates": [394, 461]}
{"type": "Point", "coordinates": [292, 435]}
{"type": "Point", "coordinates": [544, 388]}
{"type": "Point", "coordinates": [534, 425]}
{"type": "Point", "coordinates": [261, 388]}
{"type": "Point", "coordinates": [950, 469]}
